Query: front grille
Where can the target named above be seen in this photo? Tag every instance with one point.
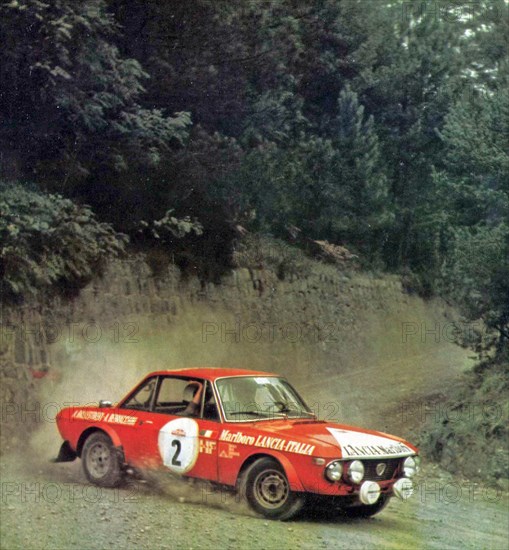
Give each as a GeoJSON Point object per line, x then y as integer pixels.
{"type": "Point", "coordinates": [391, 465]}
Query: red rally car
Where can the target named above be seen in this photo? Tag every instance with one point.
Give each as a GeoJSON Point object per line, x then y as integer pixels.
{"type": "Point", "coordinates": [239, 428]}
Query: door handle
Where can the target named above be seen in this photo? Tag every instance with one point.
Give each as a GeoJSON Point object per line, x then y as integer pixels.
{"type": "Point", "coordinates": [145, 422]}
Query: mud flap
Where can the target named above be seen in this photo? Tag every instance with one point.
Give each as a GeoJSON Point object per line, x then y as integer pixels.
{"type": "Point", "coordinates": [66, 454]}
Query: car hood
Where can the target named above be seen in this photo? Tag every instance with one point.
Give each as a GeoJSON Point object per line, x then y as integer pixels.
{"type": "Point", "coordinates": [328, 438]}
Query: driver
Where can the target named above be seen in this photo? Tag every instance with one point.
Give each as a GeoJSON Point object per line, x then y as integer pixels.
{"type": "Point", "coordinates": [192, 395]}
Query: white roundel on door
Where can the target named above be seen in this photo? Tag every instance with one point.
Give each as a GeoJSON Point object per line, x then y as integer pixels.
{"type": "Point", "coordinates": [179, 444]}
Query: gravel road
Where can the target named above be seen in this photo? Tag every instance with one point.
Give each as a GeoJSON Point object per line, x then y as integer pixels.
{"type": "Point", "coordinates": [53, 508]}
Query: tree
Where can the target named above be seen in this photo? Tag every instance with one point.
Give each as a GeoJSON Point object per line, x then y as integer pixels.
{"type": "Point", "coordinates": [474, 191]}
{"type": "Point", "coordinates": [69, 100]}
{"type": "Point", "coordinates": [331, 188]}
{"type": "Point", "coordinates": [359, 210]}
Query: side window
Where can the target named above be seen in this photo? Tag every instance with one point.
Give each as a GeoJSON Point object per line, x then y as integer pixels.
{"type": "Point", "coordinates": [171, 398]}
{"type": "Point", "coordinates": [141, 399]}
{"type": "Point", "coordinates": [171, 391]}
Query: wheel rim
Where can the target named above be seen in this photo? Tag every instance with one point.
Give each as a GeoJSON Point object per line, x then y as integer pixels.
{"type": "Point", "coordinates": [98, 460]}
{"type": "Point", "coordinates": [271, 489]}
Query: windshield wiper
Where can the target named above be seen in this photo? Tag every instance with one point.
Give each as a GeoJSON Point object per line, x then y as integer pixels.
{"type": "Point", "coordinates": [309, 413]}
{"type": "Point", "coordinates": [259, 413]}
{"type": "Point", "coordinates": [286, 410]}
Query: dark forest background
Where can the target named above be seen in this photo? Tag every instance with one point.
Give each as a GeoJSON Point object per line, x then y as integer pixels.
{"type": "Point", "coordinates": [382, 126]}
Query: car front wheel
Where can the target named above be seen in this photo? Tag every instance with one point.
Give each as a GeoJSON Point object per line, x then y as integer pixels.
{"type": "Point", "coordinates": [100, 461]}
{"type": "Point", "coordinates": [267, 490]}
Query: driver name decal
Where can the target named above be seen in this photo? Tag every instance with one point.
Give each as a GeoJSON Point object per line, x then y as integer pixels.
{"type": "Point", "coordinates": [84, 414]}
{"type": "Point", "coordinates": [126, 420]}
{"type": "Point", "coordinates": [267, 442]}
{"type": "Point", "coordinates": [112, 418]}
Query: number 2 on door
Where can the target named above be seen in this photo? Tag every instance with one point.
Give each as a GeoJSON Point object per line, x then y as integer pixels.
{"type": "Point", "coordinates": [175, 461]}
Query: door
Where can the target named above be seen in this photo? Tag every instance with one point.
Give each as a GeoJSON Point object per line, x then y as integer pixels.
{"type": "Point", "coordinates": [188, 444]}
{"type": "Point", "coordinates": [139, 436]}
{"type": "Point", "coordinates": [166, 435]}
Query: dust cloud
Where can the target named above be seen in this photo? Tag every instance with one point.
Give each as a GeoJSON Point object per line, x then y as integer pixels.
{"type": "Point", "coordinates": [353, 378]}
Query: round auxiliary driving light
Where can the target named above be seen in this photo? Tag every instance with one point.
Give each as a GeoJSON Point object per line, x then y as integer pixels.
{"type": "Point", "coordinates": [403, 488]}
{"type": "Point", "coordinates": [369, 493]}
{"type": "Point", "coordinates": [356, 471]}
{"type": "Point", "coordinates": [410, 467]}
{"type": "Point", "coordinates": [333, 471]}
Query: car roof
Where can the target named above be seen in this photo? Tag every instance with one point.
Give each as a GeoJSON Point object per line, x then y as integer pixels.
{"type": "Point", "coordinates": [212, 373]}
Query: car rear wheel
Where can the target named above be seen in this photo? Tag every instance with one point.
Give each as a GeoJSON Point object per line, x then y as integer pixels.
{"type": "Point", "coordinates": [366, 510]}
{"type": "Point", "coordinates": [100, 461]}
{"type": "Point", "coordinates": [267, 490]}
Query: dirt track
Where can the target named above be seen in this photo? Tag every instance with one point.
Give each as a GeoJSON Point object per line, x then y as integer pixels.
{"type": "Point", "coordinates": [55, 508]}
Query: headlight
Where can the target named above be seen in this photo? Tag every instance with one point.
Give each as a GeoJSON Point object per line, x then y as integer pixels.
{"type": "Point", "coordinates": [356, 471]}
{"type": "Point", "coordinates": [411, 466]}
{"type": "Point", "coordinates": [333, 471]}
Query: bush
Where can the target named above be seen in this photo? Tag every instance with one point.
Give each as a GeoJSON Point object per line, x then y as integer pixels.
{"type": "Point", "coordinates": [257, 251]}
{"type": "Point", "coordinates": [48, 242]}
{"type": "Point", "coordinates": [472, 438]}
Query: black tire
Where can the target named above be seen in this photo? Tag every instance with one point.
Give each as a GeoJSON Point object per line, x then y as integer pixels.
{"type": "Point", "coordinates": [101, 462]}
{"type": "Point", "coordinates": [366, 510]}
{"type": "Point", "coordinates": [265, 486]}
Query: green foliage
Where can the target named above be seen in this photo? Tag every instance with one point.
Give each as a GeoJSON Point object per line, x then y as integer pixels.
{"type": "Point", "coordinates": [477, 137]}
{"type": "Point", "coordinates": [48, 242]}
{"type": "Point", "coordinates": [475, 418]}
{"type": "Point", "coordinates": [332, 188]}
{"type": "Point", "coordinates": [256, 251]}
{"type": "Point", "coordinates": [473, 190]}
{"type": "Point", "coordinates": [359, 208]}
{"type": "Point", "coordinates": [169, 228]}
{"type": "Point", "coordinates": [378, 125]}
{"type": "Point", "coordinates": [475, 275]}
{"type": "Point", "coordinates": [70, 100]}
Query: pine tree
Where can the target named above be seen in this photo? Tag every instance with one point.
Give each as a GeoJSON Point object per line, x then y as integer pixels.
{"type": "Point", "coordinates": [359, 209]}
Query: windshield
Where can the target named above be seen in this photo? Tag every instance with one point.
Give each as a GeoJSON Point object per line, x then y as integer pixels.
{"type": "Point", "coordinates": [258, 397]}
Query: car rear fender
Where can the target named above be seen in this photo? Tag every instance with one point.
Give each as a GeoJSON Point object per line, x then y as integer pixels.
{"type": "Point", "coordinates": [291, 473]}
{"type": "Point", "coordinates": [108, 430]}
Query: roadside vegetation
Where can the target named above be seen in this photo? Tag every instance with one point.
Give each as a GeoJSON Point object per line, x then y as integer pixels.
{"type": "Point", "coordinates": [472, 435]}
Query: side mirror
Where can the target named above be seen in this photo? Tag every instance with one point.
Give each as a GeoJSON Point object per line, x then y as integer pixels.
{"type": "Point", "coordinates": [103, 404]}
